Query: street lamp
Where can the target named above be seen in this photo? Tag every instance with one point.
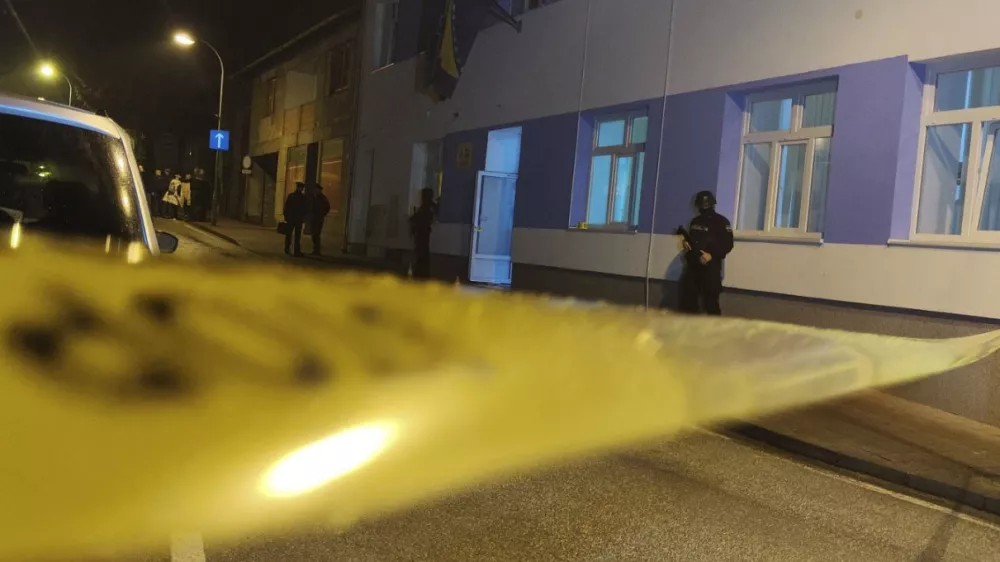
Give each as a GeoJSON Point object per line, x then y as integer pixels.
{"type": "Point", "coordinates": [183, 39]}
{"type": "Point", "coordinates": [186, 40]}
{"type": "Point", "coordinates": [48, 71]}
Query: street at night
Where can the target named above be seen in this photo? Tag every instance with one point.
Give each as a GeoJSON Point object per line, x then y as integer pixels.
{"type": "Point", "coordinates": [704, 498]}
{"type": "Point", "coordinates": [499, 280]}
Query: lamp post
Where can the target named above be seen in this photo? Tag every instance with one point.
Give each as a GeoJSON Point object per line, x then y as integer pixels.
{"type": "Point", "coordinates": [48, 70]}
{"type": "Point", "coordinates": [186, 40]}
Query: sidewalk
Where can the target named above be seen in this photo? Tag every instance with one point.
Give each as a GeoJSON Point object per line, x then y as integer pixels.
{"type": "Point", "coordinates": [894, 440]}
{"type": "Point", "coordinates": [265, 242]}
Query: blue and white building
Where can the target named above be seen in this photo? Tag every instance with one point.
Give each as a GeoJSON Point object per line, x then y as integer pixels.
{"type": "Point", "coordinates": [854, 144]}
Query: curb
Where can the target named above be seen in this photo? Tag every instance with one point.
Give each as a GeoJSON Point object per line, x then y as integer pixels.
{"type": "Point", "coordinates": [923, 484]}
{"type": "Point", "coordinates": [211, 231]}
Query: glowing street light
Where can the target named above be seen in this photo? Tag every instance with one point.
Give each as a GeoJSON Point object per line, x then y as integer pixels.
{"type": "Point", "coordinates": [186, 40]}
{"type": "Point", "coordinates": [48, 71]}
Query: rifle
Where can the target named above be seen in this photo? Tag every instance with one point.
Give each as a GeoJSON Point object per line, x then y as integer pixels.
{"type": "Point", "coordinates": [687, 237]}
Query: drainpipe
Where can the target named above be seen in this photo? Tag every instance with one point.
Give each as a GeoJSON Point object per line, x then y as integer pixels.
{"type": "Point", "coordinates": [579, 112]}
{"type": "Point", "coordinates": [659, 156]}
{"type": "Point", "coordinates": [361, 73]}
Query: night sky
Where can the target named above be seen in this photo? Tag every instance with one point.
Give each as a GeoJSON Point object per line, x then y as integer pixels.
{"type": "Point", "coordinates": [120, 55]}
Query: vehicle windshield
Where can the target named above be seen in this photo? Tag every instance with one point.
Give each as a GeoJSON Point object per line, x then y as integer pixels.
{"type": "Point", "coordinates": [65, 181]}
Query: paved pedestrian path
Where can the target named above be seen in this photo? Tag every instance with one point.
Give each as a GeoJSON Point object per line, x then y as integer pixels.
{"type": "Point", "coordinates": [893, 439]}
{"type": "Point", "coordinates": [266, 243]}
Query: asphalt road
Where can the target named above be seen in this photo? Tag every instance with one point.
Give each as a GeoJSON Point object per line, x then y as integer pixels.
{"type": "Point", "coordinates": [702, 498]}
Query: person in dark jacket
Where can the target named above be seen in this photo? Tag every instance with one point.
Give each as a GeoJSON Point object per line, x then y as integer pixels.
{"type": "Point", "coordinates": [156, 187]}
{"type": "Point", "coordinates": [318, 210]}
{"type": "Point", "coordinates": [709, 240]}
{"type": "Point", "coordinates": [201, 195]}
{"type": "Point", "coordinates": [421, 224]}
{"type": "Point", "coordinates": [296, 211]}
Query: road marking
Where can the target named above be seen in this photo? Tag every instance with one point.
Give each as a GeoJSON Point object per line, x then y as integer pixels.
{"type": "Point", "coordinates": [866, 485]}
{"type": "Point", "coordinates": [187, 547]}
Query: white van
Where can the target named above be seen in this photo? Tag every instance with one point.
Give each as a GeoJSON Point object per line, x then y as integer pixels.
{"type": "Point", "coordinates": [69, 172]}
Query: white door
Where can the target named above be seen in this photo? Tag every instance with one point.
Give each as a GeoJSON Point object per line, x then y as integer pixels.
{"type": "Point", "coordinates": [492, 228]}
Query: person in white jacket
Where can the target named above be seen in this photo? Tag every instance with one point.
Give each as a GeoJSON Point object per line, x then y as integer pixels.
{"type": "Point", "coordinates": [172, 197]}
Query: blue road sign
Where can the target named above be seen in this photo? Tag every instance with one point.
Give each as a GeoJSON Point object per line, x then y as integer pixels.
{"type": "Point", "coordinates": [218, 140]}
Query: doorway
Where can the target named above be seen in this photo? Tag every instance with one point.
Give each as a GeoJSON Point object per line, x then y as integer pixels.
{"type": "Point", "coordinates": [493, 216]}
{"type": "Point", "coordinates": [260, 186]}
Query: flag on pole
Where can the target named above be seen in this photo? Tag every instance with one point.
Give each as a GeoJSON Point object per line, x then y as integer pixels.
{"type": "Point", "coordinates": [459, 23]}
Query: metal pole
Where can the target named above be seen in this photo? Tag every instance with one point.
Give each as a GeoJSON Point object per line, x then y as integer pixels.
{"type": "Point", "coordinates": [70, 84]}
{"type": "Point", "coordinates": [218, 153]}
{"type": "Point", "coordinates": [659, 155]}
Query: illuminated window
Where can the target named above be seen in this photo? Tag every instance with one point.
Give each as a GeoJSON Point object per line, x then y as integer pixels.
{"type": "Point", "coordinates": [958, 184]}
{"type": "Point", "coordinates": [331, 175]}
{"type": "Point", "coordinates": [616, 166]}
{"type": "Point", "coordinates": [785, 161]}
{"type": "Point", "coordinates": [295, 167]}
{"type": "Point", "coordinates": [340, 68]}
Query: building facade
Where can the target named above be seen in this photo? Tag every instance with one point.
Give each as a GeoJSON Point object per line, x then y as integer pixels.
{"type": "Point", "coordinates": [301, 124]}
{"type": "Point", "coordinates": [854, 145]}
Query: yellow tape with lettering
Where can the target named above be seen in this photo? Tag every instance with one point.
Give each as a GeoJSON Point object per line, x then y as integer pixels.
{"type": "Point", "coordinates": [138, 401]}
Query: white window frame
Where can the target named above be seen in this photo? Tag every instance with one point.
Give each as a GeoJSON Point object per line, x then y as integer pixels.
{"type": "Point", "coordinates": [382, 49]}
{"type": "Point", "coordinates": [975, 179]}
{"type": "Point", "coordinates": [627, 149]}
{"type": "Point", "coordinates": [797, 134]}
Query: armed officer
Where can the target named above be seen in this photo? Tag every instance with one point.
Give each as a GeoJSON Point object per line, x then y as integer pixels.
{"type": "Point", "coordinates": [708, 241]}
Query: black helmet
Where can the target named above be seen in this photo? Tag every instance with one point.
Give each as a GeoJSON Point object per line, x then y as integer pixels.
{"type": "Point", "coordinates": [704, 200]}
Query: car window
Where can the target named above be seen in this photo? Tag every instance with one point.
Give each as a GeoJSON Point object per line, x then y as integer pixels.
{"type": "Point", "coordinates": [67, 181]}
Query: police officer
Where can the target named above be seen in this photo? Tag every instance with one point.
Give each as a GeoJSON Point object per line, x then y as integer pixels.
{"type": "Point", "coordinates": [709, 241]}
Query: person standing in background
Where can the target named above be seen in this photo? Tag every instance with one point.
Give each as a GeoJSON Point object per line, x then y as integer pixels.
{"type": "Point", "coordinates": [172, 198]}
{"type": "Point", "coordinates": [185, 198]}
{"type": "Point", "coordinates": [318, 210]}
{"type": "Point", "coordinates": [156, 189]}
{"type": "Point", "coordinates": [421, 224]}
{"type": "Point", "coordinates": [708, 241]}
{"type": "Point", "coordinates": [296, 212]}
{"type": "Point", "coordinates": [200, 196]}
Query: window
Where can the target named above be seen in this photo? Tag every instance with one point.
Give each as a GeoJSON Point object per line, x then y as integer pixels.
{"type": "Point", "coordinates": [295, 167]}
{"type": "Point", "coordinates": [272, 93]}
{"type": "Point", "coordinates": [331, 175]}
{"type": "Point", "coordinates": [426, 170]}
{"type": "Point", "coordinates": [64, 180]}
{"type": "Point", "coordinates": [785, 166]}
{"type": "Point", "coordinates": [340, 68]}
{"type": "Point", "coordinates": [616, 167]}
{"type": "Point", "coordinates": [386, 15]}
{"type": "Point", "coordinates": [958, 187]}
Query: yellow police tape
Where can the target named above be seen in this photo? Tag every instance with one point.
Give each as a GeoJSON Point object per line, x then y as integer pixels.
{"type": "Point", "coordinates": [139, 401]}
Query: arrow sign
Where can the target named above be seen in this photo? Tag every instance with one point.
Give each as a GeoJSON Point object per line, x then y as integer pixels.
{"type": "Point", "coordinates": [218, 140]}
